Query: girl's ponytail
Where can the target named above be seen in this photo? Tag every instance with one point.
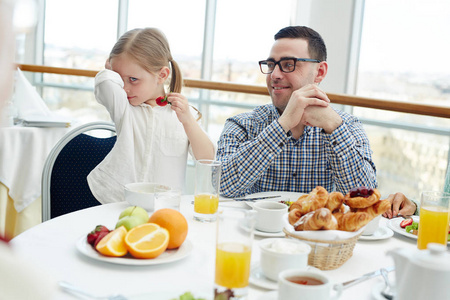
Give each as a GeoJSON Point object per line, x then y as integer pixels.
{"type": "Point", "coordinates": [176, 82]}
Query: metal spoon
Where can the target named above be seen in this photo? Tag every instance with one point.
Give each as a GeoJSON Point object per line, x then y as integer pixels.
{"type": "Point", "coordinates": [387, 292]}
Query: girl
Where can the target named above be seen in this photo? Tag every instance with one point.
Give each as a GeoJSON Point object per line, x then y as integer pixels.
{"type": "Point", "coordinates": [152, 141]}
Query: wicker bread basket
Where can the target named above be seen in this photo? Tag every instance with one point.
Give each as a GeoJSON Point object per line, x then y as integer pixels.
{"type": "Point", "coordinates": [327, 255]}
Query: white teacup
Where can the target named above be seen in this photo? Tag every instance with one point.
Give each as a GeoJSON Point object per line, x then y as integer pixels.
{"type": "Point", "coordinates": [372, 226]}
{"type": "Point", "coordinates": [279, 254]}
{"type": "Point", "coordinates": [311, 285]}
{"type": "Point", "coordinates": [270, 215]}
{"type": "Point", "coordinates": [143, 194]}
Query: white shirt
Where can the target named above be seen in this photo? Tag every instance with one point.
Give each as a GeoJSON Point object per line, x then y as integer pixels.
{"type": "Point", "coordinates": [151, 145]}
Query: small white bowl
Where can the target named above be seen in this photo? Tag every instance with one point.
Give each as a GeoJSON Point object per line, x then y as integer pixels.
{"type": "Point", "coordinates": [143, 194]}
{"type": "Point", "coordinates": [372, 226]}
{"type": "Point", "coordinates": [279, 254]}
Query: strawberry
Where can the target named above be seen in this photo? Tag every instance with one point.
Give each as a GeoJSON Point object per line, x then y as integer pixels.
{"type": "Point", "coordinates": [93, 235]}
{"type": "Point", "coordinates": [101, 235]}
{"type": "Point", "coordinates": [406, 222]}
{"type": "Point", "coordinates": [162, 101]}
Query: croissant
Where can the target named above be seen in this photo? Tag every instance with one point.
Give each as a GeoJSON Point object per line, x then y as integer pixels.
{"type": "Point", "coordinates": [320, 219]}
{"type": "Point", "coordinates": [294, 215]}
{"type": "Point", "coordinates": [335, 200]}
{"type": "Point", "coordinates": [296, 204]}
{"type": "Point", "coordinates": [377, 209]}
{"type": "Point", "coordinates": [352, 221]}
{"type": "Point", "coordinates": [316, 199]}
{"type": "Point", "coordinates": [364, 197]}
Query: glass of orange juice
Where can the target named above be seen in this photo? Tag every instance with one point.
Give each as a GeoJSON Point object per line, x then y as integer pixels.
{"type": "Point", "coordinates": [233, 252]}
{"type": "Point", "coordinates": [434, 218]}
{"type": "Point", "coordinates": [206, 195]}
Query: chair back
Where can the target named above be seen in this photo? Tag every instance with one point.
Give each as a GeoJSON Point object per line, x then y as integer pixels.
{"type": "Point", "coordinates": [64, 177]}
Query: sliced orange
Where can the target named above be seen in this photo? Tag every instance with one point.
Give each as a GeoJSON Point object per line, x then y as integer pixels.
{"type": "Point", "coordinates": [113, 243]}
{"type": "Point", "coordinates": [174, 222]}
{"type": "Point", "coordinates": [148, 240]}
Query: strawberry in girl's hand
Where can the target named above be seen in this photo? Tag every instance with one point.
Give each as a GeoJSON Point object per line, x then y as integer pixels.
{"type": "Point", "coordinates": [162, 101]}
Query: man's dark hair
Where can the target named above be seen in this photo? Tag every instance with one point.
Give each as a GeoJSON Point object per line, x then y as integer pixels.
{"type": "Point", "coordinates": [316, 45]}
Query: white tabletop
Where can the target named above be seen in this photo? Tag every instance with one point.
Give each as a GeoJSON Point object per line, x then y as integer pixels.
{"type": "Point", "coordinates": [52, 244]}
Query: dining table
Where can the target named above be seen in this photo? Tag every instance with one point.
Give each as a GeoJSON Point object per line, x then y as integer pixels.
{"type": "Point", "coordinates": [60, 249]}
{"type": "Point", "coordinates": [23, 151]}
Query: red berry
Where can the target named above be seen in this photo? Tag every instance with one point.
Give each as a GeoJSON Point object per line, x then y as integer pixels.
{"type": "Point", "coordinates": [361, 192]}
{"type": "Point", "coordinates": [93, 235]}
{"type": "Point", "coordinates": [162, 101]}
{"type": "Point", "coordinates": [101, 235]}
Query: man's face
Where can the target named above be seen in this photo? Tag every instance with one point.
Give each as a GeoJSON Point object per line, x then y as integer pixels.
{"type": "Point", "coordinates": [280, 84]}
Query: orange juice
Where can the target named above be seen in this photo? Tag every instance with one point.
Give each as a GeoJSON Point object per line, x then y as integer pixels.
{"type": "Point", "coordinates": [206, 203]}
{"type": "Point", "coordinates": [433, 226]}
{"type": "Point", "coordinates": [232, 265]}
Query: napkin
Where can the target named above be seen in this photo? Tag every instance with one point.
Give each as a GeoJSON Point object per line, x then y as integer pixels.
{"type": "Point", "coordinates": [323, 235]}
{"type": "Point", "coordinates": [31, 108]}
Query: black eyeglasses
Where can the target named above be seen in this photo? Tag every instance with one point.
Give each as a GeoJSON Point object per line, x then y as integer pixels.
{"type": "Point", "coordinates": [287, 64]}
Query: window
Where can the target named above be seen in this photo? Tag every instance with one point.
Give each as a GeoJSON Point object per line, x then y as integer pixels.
{"type": "Point", "coordinates": [404, 59]}
{"type": "Point", "coordinates": [80, 38]}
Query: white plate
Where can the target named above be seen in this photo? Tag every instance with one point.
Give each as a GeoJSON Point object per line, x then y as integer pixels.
{"type": "Point", "coordinates": [394, 224]}
{"type": "Point", "coordinates": [164, 295]}
{"type": "Point", "coordinates": [272, 295]}
{"type": "Point", "coordinates": [269, 234]}
{"type": "Point", "coordinates": [166, 257]}
{"type": "Point", "coordinates": [380, 234]}
{"type": "Point", "coordinates": [289, 196]}
{"type": "Point", "coordinates": [257, 278]}
{"type": "Point", "coordinates": [263, 233]}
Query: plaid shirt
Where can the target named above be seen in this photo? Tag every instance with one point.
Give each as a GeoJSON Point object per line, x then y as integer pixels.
{"type": "Point", "coordinates": [257, 156]}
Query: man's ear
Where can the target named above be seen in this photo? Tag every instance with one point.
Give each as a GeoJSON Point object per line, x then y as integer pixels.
{"type": "Point", "coordinates": [321, 71]}
{"type": "Point", "coordinates": [163, 74]}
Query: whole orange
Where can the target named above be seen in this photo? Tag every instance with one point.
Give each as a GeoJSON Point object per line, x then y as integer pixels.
{"type": "Point", "coordinates": [174, 222]}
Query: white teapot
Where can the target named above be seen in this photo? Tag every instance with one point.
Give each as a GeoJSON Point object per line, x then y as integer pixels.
{"type": "Point", "coordinates": [422, 274]}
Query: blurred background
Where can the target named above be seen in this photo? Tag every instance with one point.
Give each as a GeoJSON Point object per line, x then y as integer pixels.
{"type": "Point", "coordinates": [393, 50]}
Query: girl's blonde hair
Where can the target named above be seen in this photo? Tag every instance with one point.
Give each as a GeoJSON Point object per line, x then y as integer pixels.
{"type": "Point", "coordinates": [151, 50]}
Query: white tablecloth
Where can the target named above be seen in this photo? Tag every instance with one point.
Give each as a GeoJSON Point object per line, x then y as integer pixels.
{"type": "Point", "coordinates": [52, 245]}
{"type": "Point", "coordinates": [23, 151]}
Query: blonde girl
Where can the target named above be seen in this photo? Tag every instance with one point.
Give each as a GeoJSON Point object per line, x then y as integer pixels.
{"type": "Point", "coordinates": [152, 141]}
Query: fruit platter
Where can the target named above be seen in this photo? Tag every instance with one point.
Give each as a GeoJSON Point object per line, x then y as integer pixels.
{"type": "Point", "coordinates": [139, 239]}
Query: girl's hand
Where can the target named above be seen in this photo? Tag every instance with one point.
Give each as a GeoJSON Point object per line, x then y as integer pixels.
{"type": "Point", "coordinates": [181, 106]}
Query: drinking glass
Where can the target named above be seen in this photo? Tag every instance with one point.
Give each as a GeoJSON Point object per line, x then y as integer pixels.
{"type": "Point", "coordinates": [434, 218]}
{"type": "Point", "coordinates": [167, 199]}
{"type": "Point", "coordinates": [447, 180]}
{"type": "Point", "coordinates": [233, 252]}
{"type": "Point", "coordinates": [206, 195]}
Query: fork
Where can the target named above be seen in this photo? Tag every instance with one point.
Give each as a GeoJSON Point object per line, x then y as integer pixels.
{"type": "Point", "coordinates": [70, 288]}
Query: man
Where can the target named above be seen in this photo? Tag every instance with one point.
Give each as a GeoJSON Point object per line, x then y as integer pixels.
{"type": "Point", "coordinates": [400, 204]}
{"type": "Point", "coordinates": [298, 142]}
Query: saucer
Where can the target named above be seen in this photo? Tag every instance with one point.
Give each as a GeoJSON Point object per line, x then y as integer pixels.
{"type": "Point", "coordinates": [257, 278]}
{"type": "Point", "coordinates": [380, 234]}
{"type": "Point", "coordinates": [272, 295]}
{"type": "Point", "coordinates": [263, 233]}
